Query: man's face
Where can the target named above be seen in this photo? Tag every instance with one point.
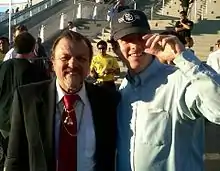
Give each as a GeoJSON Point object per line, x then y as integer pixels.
{"type": "Point", "coordinates": [71, 63]}
{"type": "Point", "coordinates": [132, 52]}
{"type": "Point", "coordinates": [102, 49]}
{"type": "Point", "coordinates": [70, 26]}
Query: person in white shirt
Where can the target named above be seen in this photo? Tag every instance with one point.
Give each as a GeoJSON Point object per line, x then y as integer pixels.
{"type": "Point", "coordinates": [71, 26]}
{"type": "Point", "coordinates": [12, 53]}
{"type": "Point", "coordinates": [214, 58]}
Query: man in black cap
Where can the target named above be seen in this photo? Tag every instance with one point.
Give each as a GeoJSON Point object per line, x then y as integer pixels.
{"type": "Point", "coordinates": [162, 109]}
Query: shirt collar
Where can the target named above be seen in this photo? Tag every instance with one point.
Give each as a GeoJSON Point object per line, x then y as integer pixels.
{"type": "Point", "coordinates": [149, 71]}
{"type": "Point", "coordinates": [82, 93]}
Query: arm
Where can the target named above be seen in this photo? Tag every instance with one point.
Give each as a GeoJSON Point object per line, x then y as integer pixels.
{"type": "Point", "coordinates": [17, 155]}
{"type": "Point", "coordinates": [201, 97]}
{"type": "Point", "coordinates": [8, 55]}
{"type": "Point", "coordinates": [177, 26]}
{"type": "Point", "coordinates": [115, 69]}
{"type": "Point", "coordinates": [179, 29]}
{"type": "Point", "coordinates": [187, 26]}
{"type": "Point", "coordinates": [93, 72]}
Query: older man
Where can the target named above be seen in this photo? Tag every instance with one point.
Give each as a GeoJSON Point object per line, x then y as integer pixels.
{"type": "Point", "coordinates": [60, 124]}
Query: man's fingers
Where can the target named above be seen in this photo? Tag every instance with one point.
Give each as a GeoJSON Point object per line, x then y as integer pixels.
{"type": "Point", "coordinates": [147, 36]}
{"type": "Point", "coordinates": [150, 40]}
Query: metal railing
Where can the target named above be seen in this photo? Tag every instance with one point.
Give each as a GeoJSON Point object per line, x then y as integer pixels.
{"type": "Point", "coordinates": [158, 4]}
{"type": "Point", "coordinates": [29, 12]}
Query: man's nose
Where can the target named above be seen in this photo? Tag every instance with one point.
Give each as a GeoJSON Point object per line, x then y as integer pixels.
{"type": "Point", "coordinates": [136, 46]}
{"type": "Point", "coordinates": [73, 62]}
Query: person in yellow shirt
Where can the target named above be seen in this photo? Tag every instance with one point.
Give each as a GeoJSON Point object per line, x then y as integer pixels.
{"type": "Point", "coordinates": [104, 67]}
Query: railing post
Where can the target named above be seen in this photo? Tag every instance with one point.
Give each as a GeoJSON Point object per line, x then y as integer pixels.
{"type": "Point", "coordinates": [42, 33]}
{"type": "Point", "coordinates": [206, 7]}
{"type": "Point", "coordinates": [163, 5]}
{"type": "Point", "coordinates": [79, 11]}
{"type": "Point", "coordinates": [61, 21]}
{"type": "Point", "coordinates": [202, 17]}
{"type": "Point", "coordinates": [135, 5]}
{"type": "Point", "coordinates": [151, 12]}
{"type": "Point", "coordinates": [9, 21]}
{"type": "Point", "coordinates": [94, 13]}
{"type": "Point", "coordinates": [195, 12]}
{"type": "Point", "coordinates": [30, 14]}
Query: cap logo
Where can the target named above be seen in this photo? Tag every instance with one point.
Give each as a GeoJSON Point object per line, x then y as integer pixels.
{"type": "Point", "coordinates": [128, 18]}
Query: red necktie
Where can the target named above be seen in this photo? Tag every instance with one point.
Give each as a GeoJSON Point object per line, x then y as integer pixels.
{"type": "Point", "coordinates": [67, 160]}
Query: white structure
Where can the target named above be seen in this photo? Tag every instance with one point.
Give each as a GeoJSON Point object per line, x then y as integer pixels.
{"type": "Point", "coordinates": [79, 11]}
{"type": "Point", "coordinates": [94, 13]}
{"type": "Point", "coordinates": [62, 21]}
{"type": "Point", "coordinates": [42, 33]}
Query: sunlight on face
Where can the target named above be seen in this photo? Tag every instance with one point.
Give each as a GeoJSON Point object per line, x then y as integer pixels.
{"type": "Point", "coordinates": [71, 64]}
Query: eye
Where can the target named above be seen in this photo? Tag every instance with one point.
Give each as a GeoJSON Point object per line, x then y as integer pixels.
{"type": "Point", "coordinates": [65, 58]}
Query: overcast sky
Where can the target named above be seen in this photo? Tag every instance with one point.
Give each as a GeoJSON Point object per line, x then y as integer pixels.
{"type": "Point", "coordinates": [5, 2]}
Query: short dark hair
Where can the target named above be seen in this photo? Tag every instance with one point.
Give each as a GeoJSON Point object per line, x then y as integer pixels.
{"type": "Point", "coordinates": [20, 28]}
{"type": "Point", "coordinates": [102, 42]}
{"type": "Point", "coordinates": [183, 13]}
{"type": "Point", "coordinates": [72, 36]}
{"type": "Point", "coordinates": [24, 43]}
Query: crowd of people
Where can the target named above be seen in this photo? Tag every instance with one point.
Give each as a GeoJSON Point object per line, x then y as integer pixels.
{"type": "Point", "coordinates": [153, 122]}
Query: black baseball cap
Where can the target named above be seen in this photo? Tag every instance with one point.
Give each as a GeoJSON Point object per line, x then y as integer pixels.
{"type": "Point", "coordinates": [127, 22]}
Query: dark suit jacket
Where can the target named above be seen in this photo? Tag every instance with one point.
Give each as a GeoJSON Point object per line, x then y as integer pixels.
{"type": "Point", "coordinates": [14, 73]}
{"type": "Point", "coordinates": [31, 142]}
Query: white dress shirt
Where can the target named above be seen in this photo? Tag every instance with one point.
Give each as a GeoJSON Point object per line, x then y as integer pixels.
{"type": "Point", "coordinates": [86, 134]}
{"type": "Point", "coordinates": [214, 60]}
{"type": "Point", "coordinates": [10, 54]}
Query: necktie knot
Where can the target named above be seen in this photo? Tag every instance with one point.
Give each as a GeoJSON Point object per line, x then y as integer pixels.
{"type": "Point", "coordinates": [69, 100]}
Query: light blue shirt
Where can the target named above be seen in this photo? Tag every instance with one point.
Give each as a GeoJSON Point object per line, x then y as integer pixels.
{"type": "Point", "coordinates": [160, 116]}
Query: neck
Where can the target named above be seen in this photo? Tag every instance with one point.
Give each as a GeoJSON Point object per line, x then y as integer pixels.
{"type": "Point", "coordinates": [134, 72]}
{"type": "Point", "coordinates": [29, 55]}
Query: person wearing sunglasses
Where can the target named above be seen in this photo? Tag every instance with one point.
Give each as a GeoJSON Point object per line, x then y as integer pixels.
{"type": "Point", "coordinates": [104, 67]}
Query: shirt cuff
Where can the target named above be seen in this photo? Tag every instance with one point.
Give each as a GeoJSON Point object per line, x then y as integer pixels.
{"type": "Point", "coordinates": [187, 61]}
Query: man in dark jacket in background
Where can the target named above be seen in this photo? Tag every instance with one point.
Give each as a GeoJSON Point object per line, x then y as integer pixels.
{"type": "Point", "coordinates": [14, 73]}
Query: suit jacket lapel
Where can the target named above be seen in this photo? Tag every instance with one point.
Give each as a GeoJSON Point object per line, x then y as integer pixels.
{"type": "Point", "coordinates": [48, 110]}
{"type": "Point", "coordinates": [96, 114]}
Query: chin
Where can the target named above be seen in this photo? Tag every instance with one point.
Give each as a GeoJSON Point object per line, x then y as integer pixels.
{"type": "Point", "coordinates": [73, 88]}
{"type": "Point", "coordinates": [136, 68]}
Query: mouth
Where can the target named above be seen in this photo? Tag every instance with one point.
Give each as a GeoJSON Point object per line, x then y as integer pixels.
{"type": "Point", "coordinates": [72, 73]}
{"type": "Point", "coordinates": [136, 55]}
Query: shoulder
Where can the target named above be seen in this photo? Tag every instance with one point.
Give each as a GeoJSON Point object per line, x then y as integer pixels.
{"type": "Point", "coordinates": [96, 57]}
{"type": "Point", "coordinates": [10, 52]}
{"type": "Point", "coordinates": [34, 89]}
{"type": "Point", "coordinates": [102, 93]}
